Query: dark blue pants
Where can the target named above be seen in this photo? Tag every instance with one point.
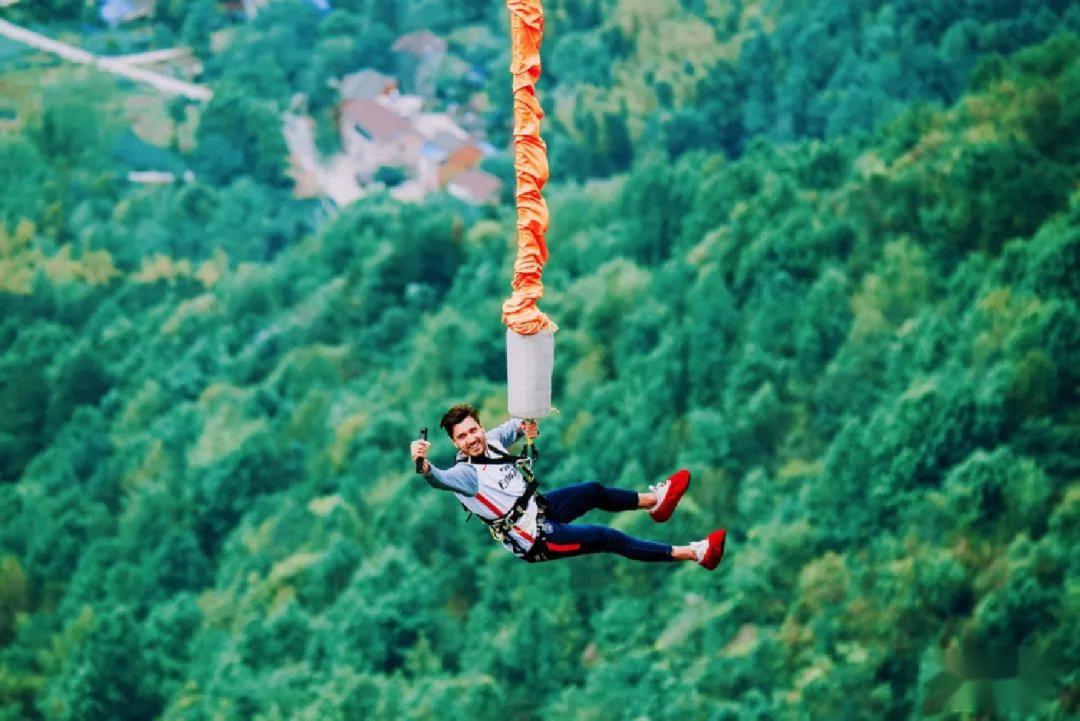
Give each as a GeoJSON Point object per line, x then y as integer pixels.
{"type": "Point", "coordinates": [564, 540]}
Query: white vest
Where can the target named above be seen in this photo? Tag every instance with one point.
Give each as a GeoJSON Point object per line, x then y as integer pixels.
{"type": "Point", "coordinates": [499, 487]}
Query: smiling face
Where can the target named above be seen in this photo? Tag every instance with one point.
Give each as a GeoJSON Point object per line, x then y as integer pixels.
{"type": "Point", "coordinates": [468, 436]}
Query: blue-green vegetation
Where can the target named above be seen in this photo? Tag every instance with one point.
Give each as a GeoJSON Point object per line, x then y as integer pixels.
{"type": "Point", "coordinates": [825, 254]}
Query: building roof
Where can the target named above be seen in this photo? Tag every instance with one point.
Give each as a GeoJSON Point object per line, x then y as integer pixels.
{"type": "Point", "coordinates": [431, 123]}
{"type": "Point", "coordinates": [475, 186]}
{"type": "Point", "coordinates": [366, 84]}
{"type": "Point", "coordinates": [465, 158]}
{"type": "Point", "coordinates": [448, 142]}
{"type": "Point", "coordinates": [375, 121]}
{"type": "Point", "coordinates": [422, 43]}
{"type": "Point", "coordinates": [431, 151]}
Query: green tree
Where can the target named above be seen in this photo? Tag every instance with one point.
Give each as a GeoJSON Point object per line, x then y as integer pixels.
{"type": "Point", "coordinates": [106, 677]}
{"type": "Point", "coordinates": [76, 378]}
{"type": "Point", "coordinates": [168, 634]}
{"type": "Point", "coordinates": [998, 492]}
{"type": "Point", "coordinates": [24, 393]}
{"type": "Point", "coordinates": [22, 173]}
{"type": "Point", "coordinates": [200, 20]}
{"type": "Point", "coordinates": [239, 136]}
{"type": "Point", "coordinates": [14, 597]}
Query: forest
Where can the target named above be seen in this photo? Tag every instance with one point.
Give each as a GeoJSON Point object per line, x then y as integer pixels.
{"type": "Point", "coordinates": [824, 254]}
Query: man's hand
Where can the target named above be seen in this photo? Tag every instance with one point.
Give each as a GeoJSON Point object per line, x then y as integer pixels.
{"type": "Point", "coordinates": [419, 450]}
{"type": "Point", "coordinates": [530, 429]}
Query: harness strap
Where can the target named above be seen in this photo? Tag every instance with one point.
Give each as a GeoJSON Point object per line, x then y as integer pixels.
{"type": "Point", "coordinates": [503, 458]}
{"type": "Point", "coordinates": [501, 527]}
{"type": "Point", "coordinates": [524, 465]}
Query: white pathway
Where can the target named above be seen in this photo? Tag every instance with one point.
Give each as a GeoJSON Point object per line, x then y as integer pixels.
{"type": "Point", "coordinates": [336, 178]}
{"type": "Point", "coordinates": [121, 66]}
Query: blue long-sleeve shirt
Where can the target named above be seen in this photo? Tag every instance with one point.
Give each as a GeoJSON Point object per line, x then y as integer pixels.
{"type": "Point", "coordinates": [461, 477]}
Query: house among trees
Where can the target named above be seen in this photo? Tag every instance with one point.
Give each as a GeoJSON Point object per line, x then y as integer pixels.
{"type": "Point", "coordinates": [389, 140]}
{"type": "Point", "coordinates": [388, 136]}
{"type": "Point", "coordinates": [366, 84]}
{"type": "Point", "coordinates": [374, 136]}
{"type": "Point", "coordinates": [418, 56]}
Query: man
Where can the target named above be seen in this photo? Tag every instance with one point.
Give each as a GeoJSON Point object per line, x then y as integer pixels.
{"type": "Point", "coordinates": [490, 484]}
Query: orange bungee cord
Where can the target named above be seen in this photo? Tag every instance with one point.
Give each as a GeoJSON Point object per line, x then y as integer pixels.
{"type": "Point", "coordinates": [519, 311]}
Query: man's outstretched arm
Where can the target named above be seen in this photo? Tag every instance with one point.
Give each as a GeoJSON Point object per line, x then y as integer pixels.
{"type": "Point", "coordinates": [459, 478]}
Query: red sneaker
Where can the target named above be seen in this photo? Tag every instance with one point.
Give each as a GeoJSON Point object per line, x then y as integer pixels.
{"type": "Point", "coordinates": [668, 493]}
{"type": "Point", "coordinates": [715, 550]}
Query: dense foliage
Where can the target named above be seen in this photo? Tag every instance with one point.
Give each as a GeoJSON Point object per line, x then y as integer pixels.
{"type": "Point", "coordinates": [826, 255]}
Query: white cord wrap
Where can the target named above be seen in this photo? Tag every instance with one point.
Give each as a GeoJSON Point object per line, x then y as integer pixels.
{"type": "Point", "coordinates": [530, 360]}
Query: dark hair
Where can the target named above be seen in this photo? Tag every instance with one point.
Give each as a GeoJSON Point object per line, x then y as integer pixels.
{"type": "Point", "coordinates": [456, 415]}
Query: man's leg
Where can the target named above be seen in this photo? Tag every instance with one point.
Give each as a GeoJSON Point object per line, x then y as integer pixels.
{"type": "Point", "coordinates": [566, 504]}
{"type": "Point", "coordinates": [572, 502]}
{"type": "Point", "coordinates": [565, 540]}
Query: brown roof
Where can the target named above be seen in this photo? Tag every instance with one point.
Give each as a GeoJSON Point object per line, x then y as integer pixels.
{"type": "Point", "coordinates": [464, 158]}
{"type": "Point", "coordinates": [376, 121]}
{"type": "Point", "coordinates": [421, 43]}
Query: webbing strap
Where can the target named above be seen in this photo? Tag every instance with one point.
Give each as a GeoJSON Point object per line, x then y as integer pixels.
{"type": "Point", "coordinates": [485, 461]}
{"type": "Point", "coordinates": [503, 458]}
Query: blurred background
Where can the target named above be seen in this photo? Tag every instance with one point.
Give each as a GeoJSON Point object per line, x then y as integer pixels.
{"type": "Point", "coordinates": [824, 253]}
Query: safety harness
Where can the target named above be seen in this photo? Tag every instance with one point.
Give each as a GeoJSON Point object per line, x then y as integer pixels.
{"type": "Point", "coordinates": [500, 527]}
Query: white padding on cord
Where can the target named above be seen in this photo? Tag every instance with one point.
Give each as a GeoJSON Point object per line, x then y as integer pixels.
{"type": "Point", "coordinates": [530, 360]}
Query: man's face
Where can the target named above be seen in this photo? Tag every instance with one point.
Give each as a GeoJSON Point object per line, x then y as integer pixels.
{"type": "Point", "coordinates": [469, 437]}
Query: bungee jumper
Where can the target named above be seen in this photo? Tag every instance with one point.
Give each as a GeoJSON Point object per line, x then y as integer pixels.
{"type": "Point", "coordinates": [500, 489]}
{"type": "Point", "coordinates": [490, 482]}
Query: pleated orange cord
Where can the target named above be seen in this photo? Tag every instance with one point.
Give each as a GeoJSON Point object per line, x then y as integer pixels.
{"type": "Point", "coordinates": [519, 311]}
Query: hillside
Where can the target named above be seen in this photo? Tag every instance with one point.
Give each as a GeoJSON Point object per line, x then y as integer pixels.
{"type": "Point", "coordinates": [859, 329]}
